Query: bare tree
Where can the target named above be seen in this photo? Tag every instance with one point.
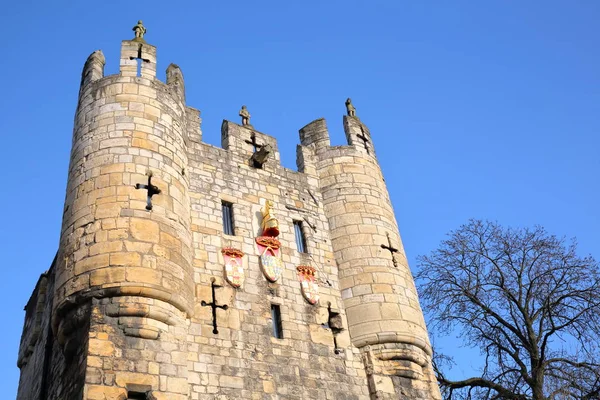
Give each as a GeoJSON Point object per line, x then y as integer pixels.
{"type": "Point", "coordinates": [530, 304]}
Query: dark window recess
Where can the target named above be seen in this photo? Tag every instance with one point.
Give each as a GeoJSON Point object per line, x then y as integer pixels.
{"type": "Point", "coordinates": [136, 395]}
{"type": "Point", "coordinates": [300, 238]}
{"type": "Point", "coordinates": [276, 317]}
{"type": "Point", "coordinates": [227, 209]}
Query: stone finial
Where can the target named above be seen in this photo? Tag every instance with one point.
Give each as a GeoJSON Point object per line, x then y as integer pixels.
{"type": "Point", "coordinates": [350, 109]}
{"type": "Point", "coordinates": [140, 31]}
{"type": "Point", "coordinates": [245, 116]}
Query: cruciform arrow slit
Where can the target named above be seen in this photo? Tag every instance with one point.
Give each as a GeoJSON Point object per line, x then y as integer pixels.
{"type": "Point", "coordinates": [152, 190]}
{"type": "Point", "coordinates": [214, 305]}
{"type": "Point", "coordinates": [391, 249]}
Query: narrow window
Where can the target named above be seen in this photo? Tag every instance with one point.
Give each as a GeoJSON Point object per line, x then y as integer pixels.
{"type": "Point", "coordinates": [300, 238]}
{"type": "Point", "coordinates": [131, 395]}
{"type": "Point", "coordinates": [227, 209]}
{"type": "Point", "coordinates": [276, 317]}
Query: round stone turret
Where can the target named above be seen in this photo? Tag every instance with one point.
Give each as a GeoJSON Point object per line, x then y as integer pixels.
{"type": "Point", "coordinates": [384, 317]}
{"type": "Point", "coordinates": [126, 225]}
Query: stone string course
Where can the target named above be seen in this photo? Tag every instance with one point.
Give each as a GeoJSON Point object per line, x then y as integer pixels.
{"type": "Point", "coordinates": [120, 312]}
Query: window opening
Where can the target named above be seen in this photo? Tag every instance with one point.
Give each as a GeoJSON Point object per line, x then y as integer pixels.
{"type": "Point", "coordinates": [227, 210]}
{"type": "Point", "coordinates": [276, 317]}
{"type": "Point", "coordinates": [300, 238]}
{"type": "Point", "coordinates": [133, 395]}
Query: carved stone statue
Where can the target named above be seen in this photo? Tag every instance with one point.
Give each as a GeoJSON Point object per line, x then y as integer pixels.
{"type": "Point", "coordinates": [350, 108]}
{"type": "Point", "coordinates": [245, 116]}
{"type": "Point", "coordinates": [270, 225]}
{"type": "Point", "coordinates": [139, 30]}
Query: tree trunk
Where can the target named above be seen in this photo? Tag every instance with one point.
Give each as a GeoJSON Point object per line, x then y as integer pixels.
{"type": "Point", "coordinates": [538, 384]}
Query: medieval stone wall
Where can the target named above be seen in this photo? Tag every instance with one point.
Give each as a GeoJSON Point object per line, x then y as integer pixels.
{"type": "Point", "coordinates": [142, 301]}
{"type": "Point", "coordinates": [32, 348]}
{"type": "Point", "coordinates": [46, 371]}
{"type": "Point", "coordinates": [244, 360]}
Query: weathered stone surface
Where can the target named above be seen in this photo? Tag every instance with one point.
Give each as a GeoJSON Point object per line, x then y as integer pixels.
{"type": "Point", "coordinates": [127, 284]}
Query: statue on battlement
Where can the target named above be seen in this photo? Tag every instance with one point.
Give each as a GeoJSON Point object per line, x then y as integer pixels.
{"type": "Point", "coordinates": [270, 225]}
{"type": "Point", "coordinates": [350, 109]}
{"type": "Point", "coordinates": [245, 116]}
{"type": "Point", "coordinates": [140, 31]}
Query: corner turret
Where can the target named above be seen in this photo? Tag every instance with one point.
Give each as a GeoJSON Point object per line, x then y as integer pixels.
{"type": "Point", "coordinates": [384, 317]}
{"type": "Point", "coordinates": [126, 237]}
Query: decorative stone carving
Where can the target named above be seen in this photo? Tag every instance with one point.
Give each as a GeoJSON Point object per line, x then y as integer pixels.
{"type": "Point", "coordinates": [245, 114]}
{"type": "Point", "coordinates": [262, 155]}
{"type": "Point", "coordinates": [350, 109]}
{"type": "Point", "coordinates": [270, 225]}
{"type": "Point", "coordinates": [234, 270]}
{"type": "Point", "coordinates": [270, 262]}
{"type": "Point", "coordinates": [140, 31]}
{"type": "Point", "coordinates": [308, 283]}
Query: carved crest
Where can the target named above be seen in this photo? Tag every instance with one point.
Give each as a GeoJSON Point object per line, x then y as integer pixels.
{"type": "Point", "coordinates": [270, 262]}
{"type": "Point", "coordinates": [308, 283]}
{"type": "Point", "coordinates": [234, 269]}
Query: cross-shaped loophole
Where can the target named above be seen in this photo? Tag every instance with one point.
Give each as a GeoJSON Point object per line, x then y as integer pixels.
{"type": "Point", "coordinates": [214, 305]}
{"type": "Point", "coordinates": [364, 139]}
{"type": "Point", "coordinates": [152, 190]}
{"type": "Point", "coordinates": [139, 60]}
{"type": "Point", "coordinates": [254, 143]}
{"type": "Point", "coordinates": [391, 249]}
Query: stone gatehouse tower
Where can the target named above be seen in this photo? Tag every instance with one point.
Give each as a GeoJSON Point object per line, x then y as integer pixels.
{"type": "Point", "coordinates": [189, 271]}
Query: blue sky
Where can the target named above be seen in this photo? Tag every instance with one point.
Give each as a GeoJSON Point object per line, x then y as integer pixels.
{"type": "Point", "coordinates": [484, 109]}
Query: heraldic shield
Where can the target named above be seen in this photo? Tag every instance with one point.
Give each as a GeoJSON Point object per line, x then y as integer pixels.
{"type": "Point", "coordinates": [234, 269]}
{"type": "Point", "coordinates": [308, 283]}
{"type": "Point", "coordinates": [271, 264]}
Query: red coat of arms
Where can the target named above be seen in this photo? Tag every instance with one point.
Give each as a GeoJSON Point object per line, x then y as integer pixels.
{"type": "Point", "coordinates": [234, 270]}
{"type": "Point", "coordinates": [308, 283]}
{"type": "Point", "coordinates": [270, 262]}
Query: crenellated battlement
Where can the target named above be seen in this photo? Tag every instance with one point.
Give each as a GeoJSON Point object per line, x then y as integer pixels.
{"type": "Point", "coordinates": [163, 286]}
{"type": "Point", "coordinates": [138, 63]}
{"type": "Point", "coordinates": [137, 59]}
